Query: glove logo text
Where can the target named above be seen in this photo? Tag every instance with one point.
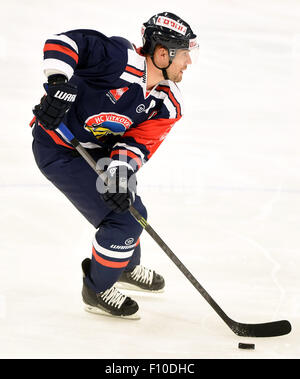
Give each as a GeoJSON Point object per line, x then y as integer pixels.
{"type": "Point", "coordinates": [65, 96]}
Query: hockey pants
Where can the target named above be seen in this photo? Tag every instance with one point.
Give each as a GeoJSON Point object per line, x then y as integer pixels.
{"type": "Point", "coordinates": [116, 243]}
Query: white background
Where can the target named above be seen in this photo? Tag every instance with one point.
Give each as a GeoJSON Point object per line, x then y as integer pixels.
{"type": "Point", "coordinates": [223, 190]}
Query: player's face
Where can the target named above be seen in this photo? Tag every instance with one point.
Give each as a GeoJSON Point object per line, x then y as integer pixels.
{"type": "Point", "coordinates": [180, 63]}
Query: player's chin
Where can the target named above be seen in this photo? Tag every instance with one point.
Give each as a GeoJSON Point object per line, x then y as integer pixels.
{"type": "Point", "coordinates": [178, 78]}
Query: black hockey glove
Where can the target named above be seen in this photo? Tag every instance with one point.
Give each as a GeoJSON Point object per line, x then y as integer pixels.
{"type": "Point", "coordinates": [120, 188]}
{"type": "Point", "coordinates": [53, 106]}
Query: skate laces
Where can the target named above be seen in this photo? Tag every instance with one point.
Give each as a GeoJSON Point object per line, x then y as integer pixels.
{"type": "Point", "coordinates": [113, 297]}
{"type": "Point", "coordinates": [142, 274]}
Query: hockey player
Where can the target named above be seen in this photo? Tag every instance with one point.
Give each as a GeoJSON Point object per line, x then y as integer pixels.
{"type": "Point", "coordinates": [120, 102]}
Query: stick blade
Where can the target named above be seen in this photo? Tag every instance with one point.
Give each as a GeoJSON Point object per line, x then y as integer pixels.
{"type": "Point", "coordinates": [268, 329]}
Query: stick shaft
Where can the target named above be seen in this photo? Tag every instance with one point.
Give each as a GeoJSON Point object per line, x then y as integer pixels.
{"type": "Point", "coordinates": [178, 263]}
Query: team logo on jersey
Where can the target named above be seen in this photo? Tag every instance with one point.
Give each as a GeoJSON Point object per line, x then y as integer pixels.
{"type": "Point", "coordinates": [116, 94]}
{"type": "Point", "coordinates": [107, 123]}
{"type": "Point", "coordinates": [142, 108]}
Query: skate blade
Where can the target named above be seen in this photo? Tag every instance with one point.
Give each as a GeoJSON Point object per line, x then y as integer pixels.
{"type": "Point", "coordinates": [132, 287]}
{"type": "Point", "coordinates": [96, 310]}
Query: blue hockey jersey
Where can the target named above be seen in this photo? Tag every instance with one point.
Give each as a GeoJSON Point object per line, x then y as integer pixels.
{"type": "Point", "coordinates": [113, 108]}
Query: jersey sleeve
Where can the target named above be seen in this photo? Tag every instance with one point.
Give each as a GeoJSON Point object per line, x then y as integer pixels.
{"type": "Point", "coordinates": [140, 142]}
{"type": "Point", "coordinates": [79, 51]}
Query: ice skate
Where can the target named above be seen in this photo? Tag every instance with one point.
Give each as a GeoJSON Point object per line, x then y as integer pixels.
{"type": "Point", "coordinates": [110, 302]}
{"type": "Point", "coordinates": [141, 279]}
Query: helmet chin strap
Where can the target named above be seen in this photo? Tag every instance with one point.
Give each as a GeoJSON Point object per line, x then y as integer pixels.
{"type": "Point", "coordinates": [163, 69]}
{"type": "Point", "coordinates": [165, 74]}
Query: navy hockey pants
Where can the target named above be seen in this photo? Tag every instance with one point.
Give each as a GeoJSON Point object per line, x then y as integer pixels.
{"type": "Point", "coordinates": [116, 244]}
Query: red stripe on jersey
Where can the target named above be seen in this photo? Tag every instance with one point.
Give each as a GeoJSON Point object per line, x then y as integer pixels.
{"type": "Point", "coordinates": [32, 122]}
{"type": "Point", "coordinates": [62, 49]}
{"type": "Point", "coordinates": [168, 91]}
{"type": "Point", "coordinates": [129, 154]}
{"type": "Point", "coordinates": [151, 133]}
{"type": "Point", "coordinates": [55, 137]}
{"type": "Point", "coordinates": [134, 71]}
{"type": "Point", "coordinates": [107, 263]}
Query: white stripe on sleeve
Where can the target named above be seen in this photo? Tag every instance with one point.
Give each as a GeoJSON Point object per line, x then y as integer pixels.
{"type": "Point", "coordinates": [65, 39]}
{"type": "Point", "coordinates": [52, 65]}
{"type": "Point", "coordinates": [134, 149]}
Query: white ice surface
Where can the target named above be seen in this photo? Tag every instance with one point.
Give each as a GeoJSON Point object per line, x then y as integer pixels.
{"type": "Point", "coordinates": [223, 190]}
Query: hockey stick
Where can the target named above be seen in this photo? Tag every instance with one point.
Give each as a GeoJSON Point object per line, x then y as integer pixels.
{"type": "Point", "coordinates": [269, 329]}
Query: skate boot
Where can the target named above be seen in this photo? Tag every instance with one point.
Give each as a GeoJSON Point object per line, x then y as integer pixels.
{"type": "Point", "coordinates": [110, 302]}
{"type": "Point", "coordinates": [141, 279]}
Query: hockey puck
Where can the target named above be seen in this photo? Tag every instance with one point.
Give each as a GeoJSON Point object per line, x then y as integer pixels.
{"type": "Point", "coordinates": [247, 346]}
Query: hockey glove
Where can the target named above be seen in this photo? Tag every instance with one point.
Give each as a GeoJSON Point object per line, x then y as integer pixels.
{"type": "Point", "coordinates": [53, 106]}
{"type": "Point", "coordinates": [120, 188]}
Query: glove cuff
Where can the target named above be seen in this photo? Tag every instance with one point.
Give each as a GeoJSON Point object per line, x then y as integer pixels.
{"type": "Point", "coordinates": [57, 79]}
